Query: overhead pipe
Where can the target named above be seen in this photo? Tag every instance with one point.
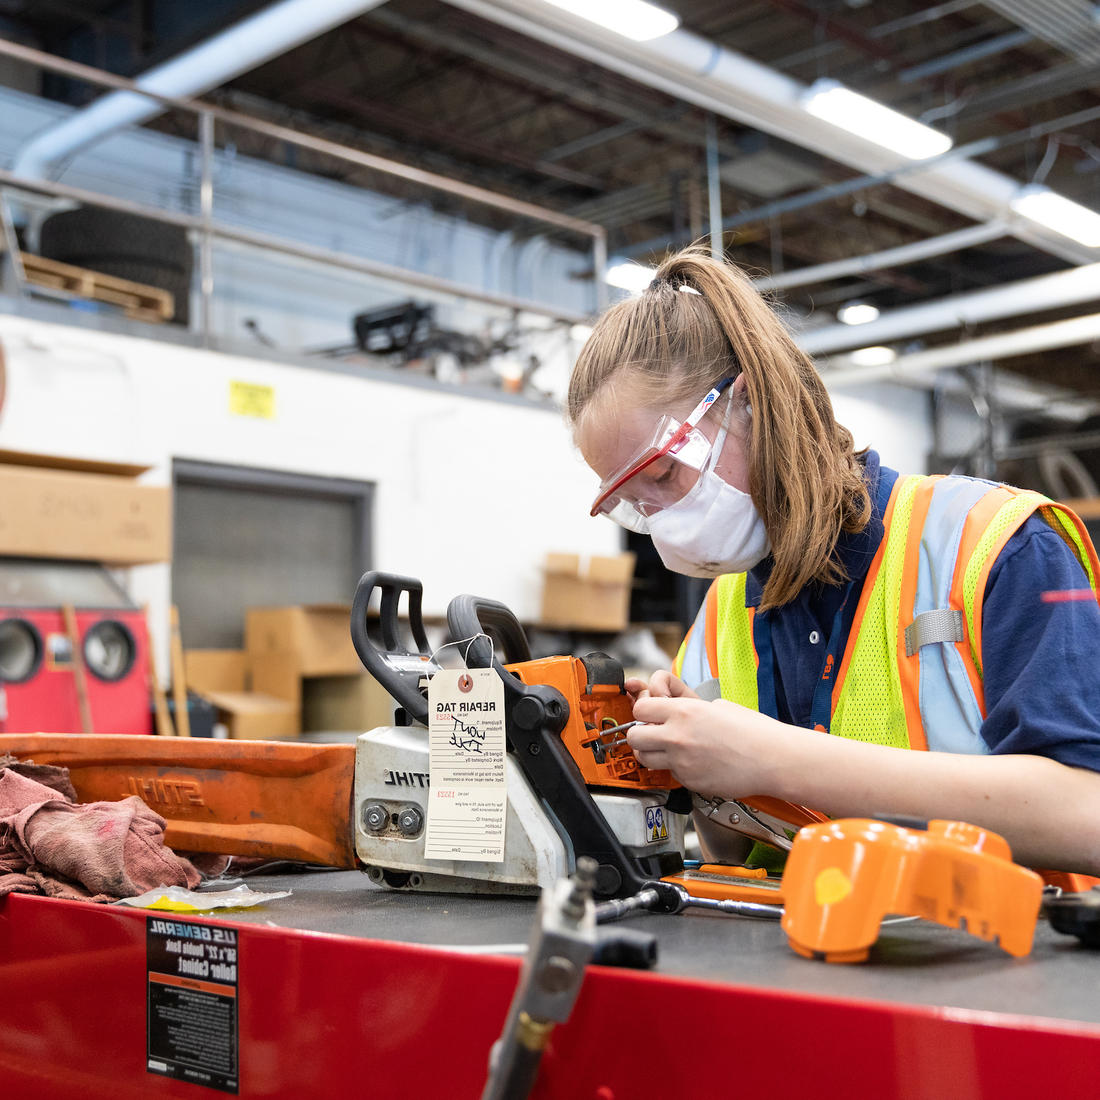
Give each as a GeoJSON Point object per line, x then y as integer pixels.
{"type": "Point", "coordinates": [238, 49]}
{"type": "Point", "coordinates": [1063, 288]}
{"type": "Point", "coordinates": [989, 48]}
{"type": "Point", "coordinates": [1002, 345]}
{"type": "Point", "coordinates": [701, 72]}
{"type": "Point", "coordinates": [887, 257]}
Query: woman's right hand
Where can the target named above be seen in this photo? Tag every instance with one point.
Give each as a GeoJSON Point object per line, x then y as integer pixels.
{"type": "Point", "coordinates": [662, 685]}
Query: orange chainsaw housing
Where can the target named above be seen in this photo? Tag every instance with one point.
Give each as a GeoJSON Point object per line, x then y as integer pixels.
{"type": "Point", "coordinates": [244, 798]}
{"type": "Point", "coordinates": [605, 707]}
{"type": "Point", "coordinates": [843, 877]}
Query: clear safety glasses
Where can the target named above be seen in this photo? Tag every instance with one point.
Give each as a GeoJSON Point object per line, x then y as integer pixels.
{"type": "Point", "coordinates": [662, 472]}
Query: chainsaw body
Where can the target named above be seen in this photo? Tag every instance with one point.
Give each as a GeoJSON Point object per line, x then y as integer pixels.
{"type": "Point", "coordinates": [390, 818]}
{"type": "Point", "coordinates": [569, 792]}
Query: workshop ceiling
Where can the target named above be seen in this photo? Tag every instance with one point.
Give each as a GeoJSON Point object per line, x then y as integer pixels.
{"type": "Point", "coordinates": [428, 84]}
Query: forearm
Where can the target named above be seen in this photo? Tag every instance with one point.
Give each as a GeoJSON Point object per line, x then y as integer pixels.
{"type": "Point", "coordinates": [1048, 813]}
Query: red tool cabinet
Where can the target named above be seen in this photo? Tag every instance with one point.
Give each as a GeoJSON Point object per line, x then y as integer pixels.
{"type": "Point", "coordinates": [333, 1016]}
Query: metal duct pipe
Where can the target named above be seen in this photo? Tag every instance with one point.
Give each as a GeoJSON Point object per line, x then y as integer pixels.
{"type": "Point", "coordinates": [710, 76]}
{"type": "Point", "coordinates": [1002, 345]}
{"type": "Point", "coordinates": [242, 47]}
{"type": "Point", "coordinates": [1063, 288]}
{"type": "Point", "coordinates": [888, 257]}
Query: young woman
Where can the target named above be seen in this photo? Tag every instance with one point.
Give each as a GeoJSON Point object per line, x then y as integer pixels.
{"type": "Point", "coordinates": [895, 613]}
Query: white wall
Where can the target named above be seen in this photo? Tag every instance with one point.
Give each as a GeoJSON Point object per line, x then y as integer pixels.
{"type": "Point", "coordinates": [471, 493]}
{"type": "Point", "coordinates": [895, 420]}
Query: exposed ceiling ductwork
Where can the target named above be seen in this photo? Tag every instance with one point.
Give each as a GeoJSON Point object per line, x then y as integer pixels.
{"type": "Point", "coordinates": [1063, 288]}
{"type": "Point", "coordinates": [718, 79]}
{"type": "Point", "coordinates": [241, 47]}
{"type": "Point", "coordinates": [1002, 345]}
{"type": "Point", "coordinates": [888, 257]}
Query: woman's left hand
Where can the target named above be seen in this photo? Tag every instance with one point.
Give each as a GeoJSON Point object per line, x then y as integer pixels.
{"type": "Point", "coordinates": [712, 748]}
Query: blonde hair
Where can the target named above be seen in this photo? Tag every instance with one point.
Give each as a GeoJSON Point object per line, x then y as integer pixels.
{"type": "Point", "coordinates": [666, 347]}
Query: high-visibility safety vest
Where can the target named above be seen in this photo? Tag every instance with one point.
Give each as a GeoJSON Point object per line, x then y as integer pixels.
{"type": "Point", "coordinates": [911, 673]}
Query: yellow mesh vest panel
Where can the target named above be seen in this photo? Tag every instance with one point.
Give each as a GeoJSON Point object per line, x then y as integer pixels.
{"type": "Point", "coordinates": [736, 656]}
{"type": "Point", "coordinates": [870, 706]}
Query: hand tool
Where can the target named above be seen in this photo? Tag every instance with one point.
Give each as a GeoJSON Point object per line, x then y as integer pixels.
{"type": "Point", "coordinates": [563, 938]}
{"type": "Point", "coordinates": [671, 897]}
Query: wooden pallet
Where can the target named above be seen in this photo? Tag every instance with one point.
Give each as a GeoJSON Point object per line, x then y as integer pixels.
{"type": "Point", "coordinates": [137, 300]}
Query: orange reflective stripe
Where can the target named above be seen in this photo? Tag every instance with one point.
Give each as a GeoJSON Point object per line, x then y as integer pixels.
{"type": "Point", "coordinates": [711, 636]}
{"type": "Point", "coordinates": [977, 520]}
{"type": "Point", "coordinates": [751, 613]}
{"type": "Point", "coordinates": [865, 595]}
{"type": "Point", "coordinates": [909, 667]}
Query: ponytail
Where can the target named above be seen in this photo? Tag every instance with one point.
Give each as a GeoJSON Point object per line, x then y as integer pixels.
{"type": "Point", "coordinates": [699, 321]}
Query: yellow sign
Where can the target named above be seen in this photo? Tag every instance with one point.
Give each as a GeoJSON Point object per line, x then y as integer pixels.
{"type": "Point", "coordinates": [248, 399]}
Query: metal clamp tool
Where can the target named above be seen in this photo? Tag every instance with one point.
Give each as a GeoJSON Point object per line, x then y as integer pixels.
{"type": "Point", "coordinates": [563, 939]}
{"type": "Point", "coordinates": [737, 816]}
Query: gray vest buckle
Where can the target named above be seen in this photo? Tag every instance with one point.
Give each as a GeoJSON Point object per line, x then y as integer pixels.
{"type": "Point", "coordinates": [941, 625]}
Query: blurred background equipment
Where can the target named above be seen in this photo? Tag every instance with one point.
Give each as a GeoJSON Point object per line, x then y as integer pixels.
{"type": "Point", "coordinates": [78, 673]}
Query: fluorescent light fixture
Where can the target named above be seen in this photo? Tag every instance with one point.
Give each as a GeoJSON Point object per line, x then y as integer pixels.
{"type": "Point", "coordinates": [1056, 212]}
{"type": "Point", "coordinates": [630, 276]}
{"type": "Point", "coordinates": [872, 357]}
{"type": "Point", "coordinates": [631, 18]}
{"type": "Point", "coordinates": [857, 313]}
{"type": "Point", "coordinates": [830, 100]}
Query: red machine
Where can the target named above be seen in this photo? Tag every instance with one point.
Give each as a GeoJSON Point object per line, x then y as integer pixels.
{"type": "Point", "coordinates": [38, 666]}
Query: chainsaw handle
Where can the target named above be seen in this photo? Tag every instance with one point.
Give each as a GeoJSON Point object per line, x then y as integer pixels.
{"type": "Point", "coordinates": [395, 668]}
{"type": "Point", "coordinates": [468, 616]}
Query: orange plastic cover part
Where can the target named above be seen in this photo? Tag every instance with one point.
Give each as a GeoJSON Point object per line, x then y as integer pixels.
{"type": "Point", "coordinates": [843, 877]}
{"type": "Point", "coordinates": [607, 706]}
{"type": "Point", "coordinates": [246, 798]}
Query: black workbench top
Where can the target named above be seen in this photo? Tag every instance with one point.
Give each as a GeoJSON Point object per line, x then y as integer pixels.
{"type": "Point", "coordinates": [913, 962]}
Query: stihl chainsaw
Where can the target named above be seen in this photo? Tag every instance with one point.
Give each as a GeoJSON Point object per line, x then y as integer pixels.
{"type": "Point", "coordinates": [574, 786]}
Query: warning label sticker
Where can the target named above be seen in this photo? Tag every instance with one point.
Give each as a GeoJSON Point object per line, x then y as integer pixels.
{"type": "Point", "coordinates": [191, 1016]}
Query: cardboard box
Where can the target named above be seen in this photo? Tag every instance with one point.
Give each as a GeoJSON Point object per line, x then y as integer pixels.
{"type": "Point", "coordinates": [318, 636]}
{"type": "Point", "coordinates": [592, 598]}
{"type": "Point", "coordinates": [277, 674]}
{"type": "Point", "coordinates": [52, 507]}
{"type": "Point", "coordinates": [215, 670]}
{"type": "Point", "coordinates": [253, 716]}
{"type": "Point", "coordinates": [358, 703]}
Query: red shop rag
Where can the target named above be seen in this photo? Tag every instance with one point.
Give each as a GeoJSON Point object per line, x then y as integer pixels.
{"type": "Point", "coordinates": [99, 851]}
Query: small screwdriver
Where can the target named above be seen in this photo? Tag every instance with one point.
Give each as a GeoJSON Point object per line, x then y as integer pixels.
{"type": "Point", "coordinates": [616, 729]}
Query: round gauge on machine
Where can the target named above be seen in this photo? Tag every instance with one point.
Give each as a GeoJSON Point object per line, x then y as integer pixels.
{"type": "Point", "coordinates": [20, 651]}
{"type": "Point", "coordinates": [109, 650]}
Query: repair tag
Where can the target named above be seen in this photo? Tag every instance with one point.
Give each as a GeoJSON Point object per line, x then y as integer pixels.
{"type": "Point", "coordinates": [468, 797]}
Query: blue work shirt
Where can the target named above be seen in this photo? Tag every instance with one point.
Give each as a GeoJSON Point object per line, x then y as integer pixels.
{"type": "Point", "coordinates": [1040, 657]}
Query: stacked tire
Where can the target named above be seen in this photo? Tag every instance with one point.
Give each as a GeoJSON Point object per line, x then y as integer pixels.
{"type": "Point", "coordinates": [126, 246]}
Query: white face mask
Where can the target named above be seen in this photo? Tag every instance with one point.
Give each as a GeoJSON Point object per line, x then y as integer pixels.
{"type": "Point", "coordinates": [714, 529]}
